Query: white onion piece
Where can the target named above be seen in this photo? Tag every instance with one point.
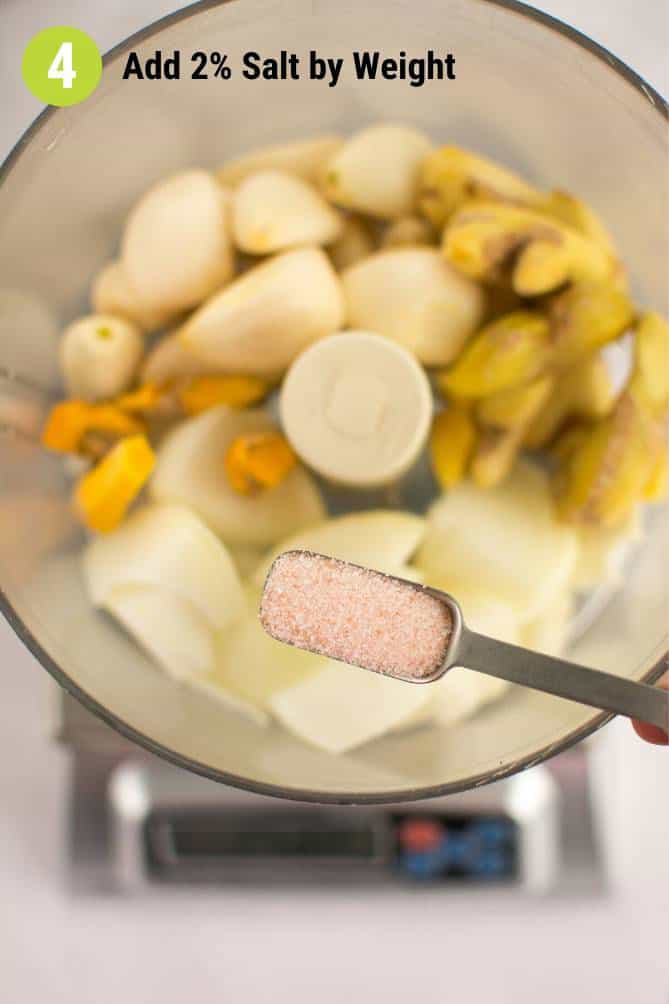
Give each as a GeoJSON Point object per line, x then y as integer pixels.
{"type": "Point", "coordinates": [462, 692]}
{"type": "Point", "coordinates": [212, 687]}
{"type": "Point", "coordinates": [549, 632]}
{"type": "Point", "coordinates": [506, 538]}
{"type": "Point", "coordinates": [167, 547]}
{"type": "Point", "coordinates": [342, 707]}
{"type": "Point", "coordinates": [254, 666]}
{"type": "Point", "coordinates": [190, 469]}
{"type": "Point", "coordinates": [604, 551]}
{"type": "Point", "coordinates": [379, 539]}
{"type": "Point", "coordinates": [171, 630]}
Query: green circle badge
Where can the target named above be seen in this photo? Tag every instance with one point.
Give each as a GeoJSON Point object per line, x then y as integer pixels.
{"type": "Point", "coordinates": [61, 66]}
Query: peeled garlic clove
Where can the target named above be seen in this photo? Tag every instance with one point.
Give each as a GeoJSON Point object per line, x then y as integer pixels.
{"type": "Point", "coordinates": [169, 628]}
{"type": "Point", "coordinates": [408, 231]}
{"type": "Point", "coordinates": [167, 547]}
{"type": "Point", "coordinates": [306, 159]}
{"type": "Point", "coordinates": [264, 319]}
{"type": "Point", "coordinates": [99, 356]}
{"type": "Point", "coordinates": [319, 708]}
{"type": "Point", "coordinates": [190, 469]}
{"type": "Point", "coordinates": [506, 537]}
{"type": "Point", "coordinates": [176, 248]}
{"type": "Point", "coordinates": [379, 538]}
{"type": "Point", "coordinates": [414, 297]}
{"type": "Point", "coordinates": [377, 171]}
{"type": "Point", "coordinates": [169, 359]}
{"type": "Point", "coordinates": [273, 211]}
{"type": "Point", "coordinates": [111, 293]}
{"type": "Point", "coordinates": [355, 242]}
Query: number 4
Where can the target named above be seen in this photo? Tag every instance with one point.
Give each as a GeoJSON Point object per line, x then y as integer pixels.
{"type": "Point", "coordinates": [61, 67]}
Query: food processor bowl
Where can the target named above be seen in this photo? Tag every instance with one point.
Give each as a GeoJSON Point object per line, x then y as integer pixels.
{"type": "Point", "coordinates": [528, 91]}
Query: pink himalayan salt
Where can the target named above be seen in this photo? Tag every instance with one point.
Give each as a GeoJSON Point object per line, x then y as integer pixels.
{"type": "Point", "coordinates": [355, 615]}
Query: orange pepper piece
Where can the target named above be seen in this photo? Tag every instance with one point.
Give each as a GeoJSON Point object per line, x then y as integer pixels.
{"type": "Point", "coordinates": [65, 426]}
{"type": "Point", "coordinates": [103, 495]}
{"type": "Point", "coordinates": [69, 421]}
{"type": "Point", "coordinates": [144, 398]}
{"type": "Point", "coordinates": [202, 393]}
{"type": "Point", "coordinates": [259, 461]}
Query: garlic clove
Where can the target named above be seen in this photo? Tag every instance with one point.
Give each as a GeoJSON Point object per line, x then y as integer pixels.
{"type": "Point", "coordinates": [303, 158]}
{"type": "Point", "coordinates": [176, 248]}
{"type": "Point", "coordinates": [273, 211]}
{"type": "Point", "coordinates": [377, 171]}
{"type": "Point", "coordinates": [414, 297]}
{"type": "Point", "coordinates": [264, 319]}
{"type": "Point", "coordinates": [99, 356]}
{"type": "Point", "coordinates": [111, 293]}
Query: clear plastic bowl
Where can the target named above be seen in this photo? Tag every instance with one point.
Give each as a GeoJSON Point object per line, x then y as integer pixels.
{"type": "Point", "coordinates": [530, 92]}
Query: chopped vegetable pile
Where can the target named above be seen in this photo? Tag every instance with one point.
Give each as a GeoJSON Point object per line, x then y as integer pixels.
{"type": "Point", "coordinates": [507, 297]}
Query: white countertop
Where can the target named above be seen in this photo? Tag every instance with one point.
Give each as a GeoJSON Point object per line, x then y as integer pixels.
{"type": "Point", "coordinates": [212, 946]}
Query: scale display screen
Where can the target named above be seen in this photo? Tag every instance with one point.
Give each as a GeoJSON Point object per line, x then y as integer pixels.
{"type": "Point", "coordinates": [421, 847]}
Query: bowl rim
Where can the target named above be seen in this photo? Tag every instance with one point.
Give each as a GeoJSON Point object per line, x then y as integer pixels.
{"type": "Point", "coordinates": [20, 628]}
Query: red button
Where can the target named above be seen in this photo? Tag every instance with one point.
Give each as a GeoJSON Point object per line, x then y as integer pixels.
{"type": "Point", "coordinates": [420, 834]}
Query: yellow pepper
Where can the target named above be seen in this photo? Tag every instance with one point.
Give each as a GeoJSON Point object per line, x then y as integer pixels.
{"type": "Point", "coordinates": [259, 461]}
{"type": "Point", "coordinates": [70, 421]}
{"type": "Point", "coordinates": [202, 393]}
{"type": "Point", "coordinates": [142, 399]}
{"type": "Point", "coordinates": [103, 495]}
{"type": "Point", "coordinates": [452, 443]}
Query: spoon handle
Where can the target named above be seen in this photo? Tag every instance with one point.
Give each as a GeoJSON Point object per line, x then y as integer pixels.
{"type": "Point", "coordinates": [564, 679]}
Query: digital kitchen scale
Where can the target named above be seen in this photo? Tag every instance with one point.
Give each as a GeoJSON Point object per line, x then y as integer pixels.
{"type": "Point", "coordinates": [137, 823]}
